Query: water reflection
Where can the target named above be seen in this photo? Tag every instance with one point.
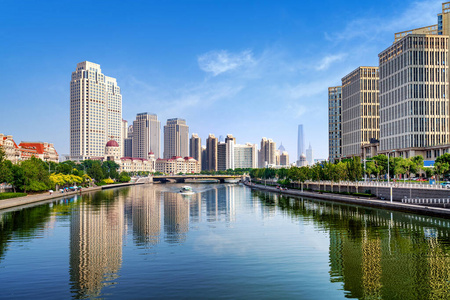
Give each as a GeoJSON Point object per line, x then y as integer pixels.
{"type": "Point", "coordinates": [96, 237]}
{"type": "Point", "coordinates": [377, 254]}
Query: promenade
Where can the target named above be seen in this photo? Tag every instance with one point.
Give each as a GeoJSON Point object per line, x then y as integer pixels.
{"type": "Point", "coordinates": [372, 202]}
{"type": "Point", "coordinates": [31, 199]}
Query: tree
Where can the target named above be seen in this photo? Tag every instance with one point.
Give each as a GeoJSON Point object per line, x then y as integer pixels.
{"type": "Point", "coordinates": [35, 175]}
{"type": "Point", "coordinates": [123, 177]}
{"type": "Point", "coordinates": [354, 168]}
{"type": "Point", "coordinates": [95, 170]}
{"type": "Point", "coordinates": [441, 168]}
{"type": "Point", "coordinates": [5, 168]}
{"type": "Point", "coordinates": [381, 164]}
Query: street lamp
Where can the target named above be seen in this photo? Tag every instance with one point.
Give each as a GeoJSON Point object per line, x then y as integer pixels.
{"type": "Point", "coordinates": [389, 154]}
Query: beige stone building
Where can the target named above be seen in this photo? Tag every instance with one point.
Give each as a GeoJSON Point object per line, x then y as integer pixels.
{"type": "Point", "coordinates": [10, 147]}
{"type": "Point", "coordinates": [284, 159]}
{"type": "Point", "coordinates": [177, 164]}
{"type": "Point", "coordinates": [334, 123]}
{"type": "Point", "coordinates": [245, 156]}
{"type": "Point", "coordinates": [176, 138]}
{"type": "Point", "coordinates": [95, 111]}
{"type": "Point", "coordinates": [360, 110]}
{"type": "Point", "coordinates": [128, 164]}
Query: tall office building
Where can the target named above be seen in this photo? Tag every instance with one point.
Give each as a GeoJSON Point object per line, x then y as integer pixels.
{"type": "Point", "coordinates": [128, 143]}
{"type": "Point", "coordinates": [195, 148]}
{"type": "Point", "coordinates": [441, 28]}
{"type": "Point", "coordinates": [360, 110]}
{"type": "Point", "coordinates": [284, 158]}
{"type": "Point", "coordinates": [212, 153]}
{"type": "Point", "coordinates": [95, 111]}
{"type": "Point", "coordinates": [225, 153]}
{"type": "Point", "coordinates": [309, 156]}
{"type": "Point", "coordinates": [204, 165]}
{"type": "Point", "coordinates": [414, 100]}
{"type": "Point", "coordinates": [124, 136]}
{"type": "Point", "coordinates": [267, 153]}
{"type": "Point", "coordinates": [245, 156]}
{"type": "Point", "coordinates": [176, 138]}
{"type": "Point", "coordinates": [334, 123]}
{"type": "Point", "coordinates": [146, 136]}
{"type": "Point", "coordinates": [300, 141]}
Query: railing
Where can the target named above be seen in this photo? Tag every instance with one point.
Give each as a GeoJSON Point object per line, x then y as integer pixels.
{"type": "Point", "coordinates": [396, 184]}
{"type": "Point", "coordinates": [426, 200]}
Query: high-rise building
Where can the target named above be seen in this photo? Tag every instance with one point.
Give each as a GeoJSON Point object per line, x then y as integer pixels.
{"type": "Point", "coordinates": [309, 156]}
{"type": "Point", "coordinates": [129, 142]}
{"type": "Point", "coordinates": [95, 111]}
{"type": "Point", "coordinates": [124, 135]}
{"type": "Point", "coordinates": [146, 135]}
{"type": "Point", "coordinates": [300, 141]}
{"type": "Point", "coordinates": [225, 153]}
{"type": "Point", "coordinates": [441, 28]}
{"type": "Point", "coordinates": [267, 153]}
{"type": "Point", "coordinates": [212, 153]}
{"type": "Point", "coordinates": [204, 164]}
{"type": "Point", "coordinates": [334, 123]}
{"type": "Point", "coordinates": [414, 100]}
{"type": "Point", "coordinates": [245, 156]}
{"type": "Point", "coordinates": [195, 148]}
{"type": "Point", "coordinates": [360, 110]}
{"type": "Point", "coordinates": [176, 138]}
{"type": "Point", "coordinates": [284, 159]}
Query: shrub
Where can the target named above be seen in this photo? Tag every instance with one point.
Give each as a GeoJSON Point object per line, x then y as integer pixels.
{"type": "Point", "coordinates": [11, 195]}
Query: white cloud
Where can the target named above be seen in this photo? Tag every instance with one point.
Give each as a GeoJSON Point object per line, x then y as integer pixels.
{"type": "Point", "coordinates": [217, 62]}
{"type": "Point", "coordinates": [326, 62]}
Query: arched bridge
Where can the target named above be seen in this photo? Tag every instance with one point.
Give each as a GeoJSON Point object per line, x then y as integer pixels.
{"type": "Point", "coordinates": [194, 178]}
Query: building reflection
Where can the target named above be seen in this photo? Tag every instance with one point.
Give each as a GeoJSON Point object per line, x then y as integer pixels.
{"type": "Point", "coordinates": [96, 233]}
{"type": "Point", "coordinates": [377, 254]}
{"type": "Point", "coordinates": [220, 203]}
{"type": "Point", "coordinates": [176, 217]}
{"type": "Point", "coordinates": [146, 216]}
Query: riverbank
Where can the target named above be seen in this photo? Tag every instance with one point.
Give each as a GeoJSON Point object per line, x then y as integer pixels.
{"type": "Point", "coordinates": [363, 201]}
{"type": "Point", "coordinates": [31, 199]}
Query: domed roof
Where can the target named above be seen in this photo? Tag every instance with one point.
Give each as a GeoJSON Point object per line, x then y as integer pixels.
{"type": "Point", "coordinates": [112, 143]}
{"type": "Point", "coordinates": [151, 153]}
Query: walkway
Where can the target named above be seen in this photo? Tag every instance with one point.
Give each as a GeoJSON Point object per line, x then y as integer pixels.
{"type": "Point", "coordinates": [372, 202]}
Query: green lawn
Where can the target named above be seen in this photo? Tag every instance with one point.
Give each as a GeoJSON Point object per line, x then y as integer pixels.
{"type": "Point", "coordinates": [11, 195]}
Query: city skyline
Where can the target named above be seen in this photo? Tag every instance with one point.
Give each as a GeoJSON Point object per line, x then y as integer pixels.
{"type": "Point", "coordinates": [255, 71]}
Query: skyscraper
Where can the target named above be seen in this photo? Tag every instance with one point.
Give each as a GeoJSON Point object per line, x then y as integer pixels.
{"type": "Point", "coordinates": [414, 100]}
{"type": "Point", "coordinates": [245, 156]}
{"type": "Point", "coordinates": [225, 153]}
{"type": "Point", "coordinates": [124, 136]}
{"type": "Point", "coordinates": [146, 135]}
{"type": "Point", "coordinates": [360, 110]}
{"type": "Point", "coordinates": [176, 138]}
{"type": "Point", "coordinates": [95, 111]}
{"type": "Point", "coordinates": [212, 153]}
{"type": "Point", "coordinates": [195, 147]}
{"type": "Point", "coordinates": [267, 153]}
{"type": "Point", "coordinates": [334, 123]}
{"type": "Point", "coordinates": [300, 141]}
{"type": "Point", "coordinates": [309, 156]}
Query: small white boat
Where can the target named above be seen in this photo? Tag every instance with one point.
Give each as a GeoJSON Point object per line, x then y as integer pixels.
{"type": "Point", "coordinates": [186, 190]}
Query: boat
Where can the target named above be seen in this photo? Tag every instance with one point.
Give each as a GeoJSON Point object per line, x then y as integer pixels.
{"type": "Point", "coordinates": [231, 180]}
{"type": "Point", "coordinates": [186, 190]}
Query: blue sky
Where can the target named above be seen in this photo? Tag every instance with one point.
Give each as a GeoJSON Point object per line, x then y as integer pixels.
{"type": "Point", "coordinates": [250, 68]}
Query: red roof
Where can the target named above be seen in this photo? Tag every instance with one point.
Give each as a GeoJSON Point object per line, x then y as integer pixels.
{"type": "Point", "coordinates": [112, 143]}
{"type": "Point", "coordinates": [38, 147]}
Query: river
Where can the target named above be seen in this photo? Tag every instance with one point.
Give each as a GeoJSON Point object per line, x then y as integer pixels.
{"type": "Point", "coordinates": [222, 242]}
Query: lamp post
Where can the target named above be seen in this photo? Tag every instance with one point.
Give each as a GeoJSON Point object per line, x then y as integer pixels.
{"type": "Point", "coordinates": [389, 155]}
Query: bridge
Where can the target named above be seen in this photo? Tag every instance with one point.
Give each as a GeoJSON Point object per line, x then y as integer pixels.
{"type": "Point", "coordinates": [182, 178]}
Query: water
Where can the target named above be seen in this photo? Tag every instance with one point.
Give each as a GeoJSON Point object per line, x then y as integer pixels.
{"type": "Point", "coordinates": [225, 241]}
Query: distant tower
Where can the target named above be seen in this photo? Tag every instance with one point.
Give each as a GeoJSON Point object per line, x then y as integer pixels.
{"type": "Point", "coordinates": [309, 156]}
{"type": "Point", "coordinates": [146, 135]}
{"type": "Point", "coordinates": [195, 147]}
{"type": "Point", "coordinates": [176, 138]}
{"type": "Point", "coordinates": [211, 153]}
{"type": "Point", "coordinates": [300, 142]}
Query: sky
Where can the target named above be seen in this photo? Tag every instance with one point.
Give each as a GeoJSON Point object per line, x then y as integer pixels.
{"type": "Point", "coordinates": [249, 68]}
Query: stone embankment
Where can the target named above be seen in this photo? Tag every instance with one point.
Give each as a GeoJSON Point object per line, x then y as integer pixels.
{"type": "Point", "coordinates": [364, 201]}
{"type": "Point", "coordinates": [30, 199]}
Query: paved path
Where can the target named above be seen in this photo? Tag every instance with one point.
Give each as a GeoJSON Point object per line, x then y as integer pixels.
{"type": "Point", "coordinates": [20, 201]}
{"type": "Point", "coordinates": [373, 202]}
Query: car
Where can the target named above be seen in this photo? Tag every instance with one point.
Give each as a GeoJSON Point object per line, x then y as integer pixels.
{"type": "Point", "coordinates": [444, 184]}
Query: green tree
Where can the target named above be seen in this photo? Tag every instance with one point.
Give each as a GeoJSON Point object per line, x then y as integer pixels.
{"type": "Point", "coordinates": [95, 170]}
{"type": "Point", "coordinates": [354, 168]}
{"type": "Point", "coordinates": [35, 175]}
